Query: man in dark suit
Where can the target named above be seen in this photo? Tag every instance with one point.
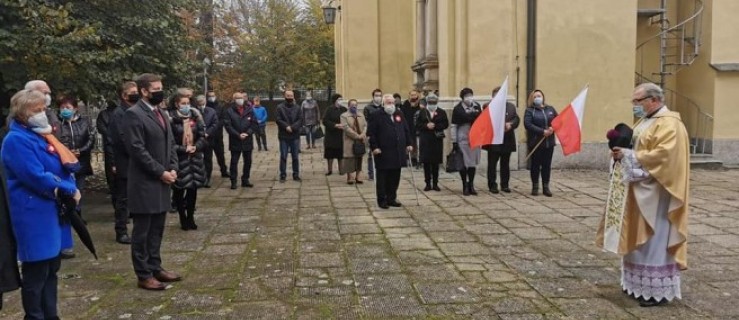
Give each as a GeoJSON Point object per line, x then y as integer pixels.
{"type": "Point", "coordinates": [152, 169]}
{"type": "Point", "coordinates": [119, 155]}
{"type": "Point", "coordinates": [241, 125]}
{"type": "Point", "coordinates": [390, 141]}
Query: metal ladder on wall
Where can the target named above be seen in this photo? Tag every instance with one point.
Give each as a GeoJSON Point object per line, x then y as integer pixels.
{"type": "Point", "coordinates": [679, 46]}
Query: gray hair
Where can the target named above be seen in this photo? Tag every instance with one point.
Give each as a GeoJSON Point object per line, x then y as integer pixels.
{"type": "Point", "coordinates": [36, 85]}
{"type": "Point", "coordinates": [184, 91]}
{"type": "Point", "coordinates": [652, 90]}
{"type": "Point", "coordinates": [24, 100]}
{"type": "Point", "coordinates": [200, 98]}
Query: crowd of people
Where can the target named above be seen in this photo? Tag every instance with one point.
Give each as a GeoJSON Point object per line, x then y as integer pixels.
{"type": "Point", "coordinates": [158, 154]}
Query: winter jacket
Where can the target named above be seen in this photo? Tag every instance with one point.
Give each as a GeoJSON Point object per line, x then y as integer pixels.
{"type": "Point", "coordinates": [102, 124]}
{"type": "Point", "coordinates": [391, 135]}
{"type": "Point", "coordinates": [536, 120]}
{"type": "Point", "coordinates": [210, 121]}
{"type": "Point", "coordinates": [370, 110]}
{"type": "Point", "coordinates": [221, 113]}
{"type": "Point", "coordinates": [116, 141]}
{"type": "Point", "coordinates": [431, 147]}
{"type": "Point", "coordinates": [311, 113]}
{"type": "Point", "coordinates": [261, 113]}
{"type": "Point", "coordinates": [289, 115]}
{"type": "Point", "coordinates": [191, 174]}
{"type": "Point", "coordinates": [76, 134]}
{"type": "Point", "coordinates": [241, 122]}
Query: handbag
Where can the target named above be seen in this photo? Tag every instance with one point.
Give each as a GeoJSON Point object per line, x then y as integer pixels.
{"type": "Point", "coordinates": [439, 134]}
{"type": "Point", "coordinates": [358, 147]}
{"type": "Point", "coordinates": [454, 161]}
{"type": "Point", "coordinates": [317, 132]}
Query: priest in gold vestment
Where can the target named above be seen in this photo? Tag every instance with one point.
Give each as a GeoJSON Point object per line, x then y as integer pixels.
{"type": "Point", "coordinates": [653, 236]}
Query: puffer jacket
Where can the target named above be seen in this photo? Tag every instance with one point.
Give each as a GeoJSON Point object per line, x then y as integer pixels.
{"type": "Point", "coordinates": [191, 174]}
{"type": "Point", "coordinates": [536, 120]}
{"type": "Point", "coordinates": [76, 134]}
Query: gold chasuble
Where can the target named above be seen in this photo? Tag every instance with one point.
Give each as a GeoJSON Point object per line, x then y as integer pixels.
{"type": "Point", "coordinates": [662, 148]}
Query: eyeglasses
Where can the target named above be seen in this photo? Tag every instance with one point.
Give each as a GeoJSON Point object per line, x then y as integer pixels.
{"type": "Point", "coordinates": [635, 101]}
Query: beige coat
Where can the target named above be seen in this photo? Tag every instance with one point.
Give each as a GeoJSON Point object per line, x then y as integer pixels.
{"type": "Point", "coordinates": [350, 131]}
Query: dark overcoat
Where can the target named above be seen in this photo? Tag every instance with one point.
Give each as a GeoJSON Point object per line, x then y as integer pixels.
{"type": "Point", "coordinates": [334, 138]}
{"type": "Point", "coordinates": [392, 136]}
{"type": "Point", "coordinates": [237, 123]}
{"type": "Point", "coordinates": [431, 147]}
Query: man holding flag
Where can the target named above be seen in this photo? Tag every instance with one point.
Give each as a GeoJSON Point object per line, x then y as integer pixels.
{"type": "Point", "coordinates": [502, 152]}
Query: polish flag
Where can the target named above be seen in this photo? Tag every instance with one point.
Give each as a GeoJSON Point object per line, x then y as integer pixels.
{"type": "Point", "coordinates": [489, 127]}
{"type": "Point", "coordinates": [568, 124]}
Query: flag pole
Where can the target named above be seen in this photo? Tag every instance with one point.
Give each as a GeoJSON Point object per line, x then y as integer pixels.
{"type": "Point", "coordinates": [534, 149]}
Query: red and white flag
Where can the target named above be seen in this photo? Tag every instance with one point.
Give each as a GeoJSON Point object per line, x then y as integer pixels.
{"type": "Point", "coordinates": [568, 124]}
{"type": "Point", "coordinates": [489, 127]}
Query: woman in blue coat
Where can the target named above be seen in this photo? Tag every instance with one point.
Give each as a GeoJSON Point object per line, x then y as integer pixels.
{"type": "Point", "coordinates": [38, 169]}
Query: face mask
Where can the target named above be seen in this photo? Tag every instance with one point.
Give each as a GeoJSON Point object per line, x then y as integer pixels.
{"type": "Point", "coordinates": [185, 109]}
{"type": "Point", "coordinates": [47, 99]}
{"type": "Point", "coordinates": [133, 98]}
{"type": "Point", "coordinates": [432, 107]}
{"type": "Point", "coordinates": [66, 114]}
{"type": "Point", "coordinates": [39, 123]}
{"type": "Point", "coordinates": [308, 98]}
{"type": "Point", "coordinates": [353, 109]}
{"type": "Point", "coordinates": [390, 109]}
{"type": "Point", "coordinates": [377, 100]}
{"type": "Point", "coordinates": [469, 100]}
{"type": "Point", "coordinates": [212, 99]}
{"type": "Point", "coordinates": [340, 102]}
{"type": "Point", "coordinates": [639, 111]}
{"type": "Point", "coordinates": [156, 97]}
{"type": "Point", "coordinates": [538, 101]}
{"type": "Point", "coordinates": [240, 102]}
{"type": "Point", "coordinates": [289, 100]}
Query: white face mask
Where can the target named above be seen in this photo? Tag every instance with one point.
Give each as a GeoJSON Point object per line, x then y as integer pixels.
{"type": "Point", "coordinates": [469, 100]}
{"type": "Point", "coordinates": [538, 101]}
{"type": "Point", "coordinates": [390, 109]}
{"type": "Point", "coordinates": [240, 102]}
{"type": "Point", "coordinates": [47, 99]}
{"type": "Point", "coordinates": [377, 100]}
{"type": "Point", "coordinates": [39, 123]}
{"type": "Point", "coordinates": [212, 99]}
{"type": "Point", "coordinates": [432, 107]}
{"type": "Point", "coordinates": [340, 102]}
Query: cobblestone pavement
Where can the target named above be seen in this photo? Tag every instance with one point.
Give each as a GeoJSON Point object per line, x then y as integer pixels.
{"type": "Point", "coordinates": [321, 249]}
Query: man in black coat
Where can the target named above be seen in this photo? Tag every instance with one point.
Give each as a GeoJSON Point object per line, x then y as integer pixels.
{"type": "Point", "coordinates": [241, 125]}
{"type": "Point", "coordinates": [370, 110]}
{"type": "Point", "coordinates": [390, 143]}
{"type": "Point", "coordinates": [289, 123]}
{"type": "Point", "coordinates": [216, 140]}
{"type": "Point", "coordinates": [410, 107]}
{"type": "Point", "coordinates": [119, 159]}
{"type": "Point", "coordinates": [210, 121]}
{"type": "Point", "coordinates": [102, 123]}
{"type": "Point", "coordinates": [502, 152]}
{"type": "Point", "coordinates": [151, 170]}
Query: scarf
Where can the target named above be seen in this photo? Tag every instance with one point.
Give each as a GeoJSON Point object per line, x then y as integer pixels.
{"type": "Point", "coordinates": [187, 123]}
{"type": "Point", "coordinates": [68, 159]}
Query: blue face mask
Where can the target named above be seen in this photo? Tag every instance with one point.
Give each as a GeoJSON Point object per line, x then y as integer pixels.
{"type": "Point", "coordinates": [66, 114]}
{"type": "Point", "coordinates": [639, 111]}
{"type": "Point", "coordinates": [185, 109]}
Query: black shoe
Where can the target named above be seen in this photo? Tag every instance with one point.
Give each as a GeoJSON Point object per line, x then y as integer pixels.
{"type": "Point", "coordinates": [505, 189]}
{"type": "Point", "coordinates": [494, 189]}
{"type": "Point", "coordinates": [472, 191]}
{"type": "Point", "coordinates": [465, 190]}
{"type": "Point", "coordinates": [246, 184]}
{"type": "Point", "coordinates": [265, 149]}
{"type": "Point", "coordinates": [395, 204]}
{"type": "Point", "coordinates": [207, 186]}
{"type": "Point", "coordinates": [297, 179]}
{"type": "Point", "coordinates": [535, 190]}
{"type": "Point", "coordinates": [427, 187]}
{"type": "Point", "coordinates": [225, 175]}
{"type": "Point", "coordinates": [435, 187]}
{"type": "Point", "coordinates": [282, 179]}
{"type": "Point", "coordinates": [383, 205]}
{"type": "Point", "coordinates": [67, 254]}
{"type": "Point", "coordinates": [123, 239]}
{"type": "Point", "coordinates": [545, 190]}
{"type": "Point", "coordinates": [329, 173]}
{"type": "Point", "coordinates": [233, 185]}
{"type": "Point", "coordinates": [652, 303]}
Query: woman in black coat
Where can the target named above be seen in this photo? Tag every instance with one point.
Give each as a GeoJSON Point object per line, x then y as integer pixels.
{"type": "Point", "coordinates": [75, 132]}
{"type": "Point", "coordinates": [430, 125]}
{"type": "Point", "coordinates": [538, 122]}
{"type": "Point", "coordinates": [333, 143]}
{"type": "Point", "coordinates": [189, 135]}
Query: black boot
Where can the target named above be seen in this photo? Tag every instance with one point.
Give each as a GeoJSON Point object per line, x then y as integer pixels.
{"type": "Point", "coordinates": [535, 189]}
{"type": "Point", "coordinates": [183, 220]}
{"type": "Point", "coordinates": [545, 190]}
{"type": "Point", "coordinates": [234, 186]}
{"type": "Point", "coordinates": [505, 188]}
{"type": "Point", "coordinates": [465, 189]}
{"type": "Point", "coordinates": [471, 181]}
{"type": "Point", "coordinates": [493, 188]}
{"type": "Point", "coordinates": [190, 219]}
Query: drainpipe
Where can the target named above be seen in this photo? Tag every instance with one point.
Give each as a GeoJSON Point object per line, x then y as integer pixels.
{"type": "Point", "coordinates": [530, 46]}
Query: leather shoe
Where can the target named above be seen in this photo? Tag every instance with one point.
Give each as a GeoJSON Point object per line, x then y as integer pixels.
{"type": "Point", "coordinates": [246, 184]}
{"type": "Point", "coordinates": [233, 186]}
{"type": "Point", "coordinates": [395, 204]}
{"type": "Point", "coordinates": [123, 239]}
{"type": "Point", "coordinates": [151, 284]}
{"type": "Point", "coordinates": [506, 189]}
{"type": "Point", "coordinates": [383, 205]}
{"type": "Point", "coordinates": [296, 178]}
{"type": "Point", "coordinates": [167, 276]}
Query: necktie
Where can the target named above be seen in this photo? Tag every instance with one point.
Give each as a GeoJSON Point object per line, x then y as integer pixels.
{"type": "Point", "coordinates": [159, 116]}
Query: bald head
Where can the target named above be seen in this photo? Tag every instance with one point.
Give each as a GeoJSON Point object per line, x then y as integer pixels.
{"type": "Point", "coordinates": [39, 85]}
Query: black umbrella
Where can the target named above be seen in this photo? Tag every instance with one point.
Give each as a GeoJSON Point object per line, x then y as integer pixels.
{"type": "Point", "coordinates": [68, 212]}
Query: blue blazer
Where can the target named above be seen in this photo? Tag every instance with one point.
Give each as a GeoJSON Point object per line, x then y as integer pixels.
{"type": "Point", "coordinates": [33, 170]}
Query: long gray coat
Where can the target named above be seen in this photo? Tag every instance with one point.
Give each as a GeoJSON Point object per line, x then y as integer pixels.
{"type": "Point", "coordinates": [151, 150]}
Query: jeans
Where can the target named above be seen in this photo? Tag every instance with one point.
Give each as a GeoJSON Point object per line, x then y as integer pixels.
{"type": "Point", "coordinates": [246, 173]}
{"type": "Point", "coordinates": [293, 147]}
{"type": "Point", "coordinates": [39, 290]}
{"type": "Point", "coordinates": [309, 140]}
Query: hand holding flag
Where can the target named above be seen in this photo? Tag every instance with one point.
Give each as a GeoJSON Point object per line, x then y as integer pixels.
{"type": "Point", "coordinates": [489, 128]}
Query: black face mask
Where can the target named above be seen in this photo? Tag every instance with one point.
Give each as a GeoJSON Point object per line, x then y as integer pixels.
{"type": "Point", "coordinates": [290, 101]}
{"type": "Point", "coordinates": [156, 97]}
{"type": "Point", "coordinates": [133, 98]}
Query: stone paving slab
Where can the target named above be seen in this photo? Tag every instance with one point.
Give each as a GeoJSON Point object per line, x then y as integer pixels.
{"type": "Point", "coordinates": [321, 249]}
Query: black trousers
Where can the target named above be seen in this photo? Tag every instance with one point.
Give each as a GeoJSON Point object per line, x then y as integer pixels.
{"type": "Point", "coordinates": [110, 177]}
{"type": "Point", "coordinates": [219, 150]}
{"type": "Point", "coordinates": [431, 173]}
{"type": "Point", "coordinates": [387, 181]}
{"type": "Point", "coordinates": [541, 163]}
{"type": "Point", "coordinates": [146, 243]}
{"type": "Point", "coordinates": [39, 289]}
{"type": "Point", "coordinates": [246, 170]}
{"type": "Point", "coordinates": [208, 162]}
{"type": "Point", "coordinates": [505, 168]}
{"type": "Point", "coordinates": [184, 199]}
{"type": "Point", "coordinates": [121, 206]}
{"type": "Point", "coordinates": [262, 138]}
